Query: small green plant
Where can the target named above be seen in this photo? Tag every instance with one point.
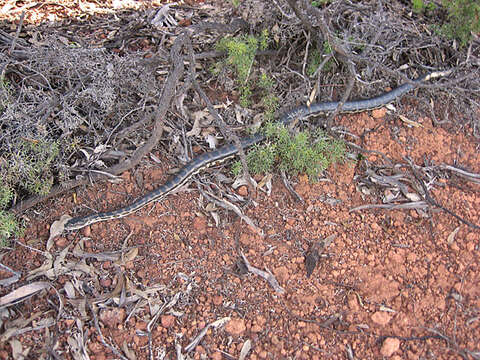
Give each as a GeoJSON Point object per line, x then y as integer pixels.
{"type": "Point", "coordinates": [235, 3]}
{"type": "Point", "coordinates": [240, 54]}
{"type": "Point", "coordinates": [421, 6]}
{"type": "Point", "coordinates": [264, 38]}
{"type": "Point", "coordinates": [6, 195]}
{"type": "Point", "coordinates": [270, 103]}
{"type": "Point", "coordinates": [245, 94]}
{"type": "Point", "coordinates": [33, 165]}
{"type": "Point", "coordinates": [8, 224]}
{"type": "Point", "coordinates": [463, 19]}
{"type": "Point", "coordinates": [314, 61]}
{"type": "Point", "coordinates": [319, 3]}
{"type": "Point", "coordinates": [260, 160]}
{"type": "Point", "coordinates": [303, 153]}
{"type": "Point", "coordinates": [31, 168]}
{"type": "Point", "coordinates": [269, 100]}
{"type": "Point", "coordinates": [8, 227]}
{"type": "Point", "coordinates": [316, 57]}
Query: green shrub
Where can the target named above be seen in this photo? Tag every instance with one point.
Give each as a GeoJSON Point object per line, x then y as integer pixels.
{"type": "Point", "coordinates": [421, 6]}
{"type": "Point", "coordinates": [32, 165]}
{"type": "Point", "coordinates": [303, 153]}
{"type": "Point", "coordinates": [240, 54]}
{"type": "Point", "coordinates": [8, 227]}
{"type": "Point", "coordinates": [8, 224]}
{"type": "Point", "coordinates": [319, 3]}
{"type": "Point", "coordinates": [463, 19]}
{"type": "Point", "coordinates": [315, 58]}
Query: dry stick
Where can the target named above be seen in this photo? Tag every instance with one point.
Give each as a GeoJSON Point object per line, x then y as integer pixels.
{"type": "Point", "coordinates": [102, 339]}
{"type": "Point", "coordinates": [433, 202]}
{"type": "Point", "coordinates": [219, 121]}
{"type": "Point", "coordinates": [229, 206]}
{"type": "Point", "coordinates": [268, 276]}
{"type": "Point", "coordinates": [290, 188]}
{"type": "Point", "coordinates": [159, 114]}
{"type": "Point", "coordinates": [344, 54]}
{"type": "Point", "coordinates": [17, 34]}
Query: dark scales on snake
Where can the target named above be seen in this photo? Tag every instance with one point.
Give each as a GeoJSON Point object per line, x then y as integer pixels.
{"type": "Point", "coordinates": [225, 152]}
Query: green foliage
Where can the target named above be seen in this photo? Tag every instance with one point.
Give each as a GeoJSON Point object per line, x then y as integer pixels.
{"type": "Point", "coordinates": [235, 3]}
{"type": "Point", "coordinates": [33, 165]}
{"type": "Point", "coordinates": [463, 19]}
{"type": "Point", "coordinates": [240, 54]}
{"type": "Point", "coordinates": [6, 195]}
{"type": "Point", "coordinates": [245, 94]}
{"type": "Point", "coordinates": [319, 3]}
{"type": "Point", "coordinates": [270, 102]}
{"type": "Point", "coordinates": [266, 82]}
{"type": "Point", "coordinates": [314, 61]}
{"type": "Point", "coordinates": [421, 6]}
{"type": "Point", "coordinates": [315, 58]}
{"type": "Point", "coordinates": [31, 168]}
{"type": "Point", "coordinates": [8, 227]}
{"type": "Point", "coordinates": [8, 224]}
{"type": "Point", "coordinates": [260, 160]}
{"type": "Point", "coordinates": [264, 37]}
{"type": "Point", "coordinates": [303, 153]}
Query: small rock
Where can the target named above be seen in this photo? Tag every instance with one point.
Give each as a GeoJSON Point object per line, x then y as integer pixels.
{"type": "Point", "coordinates": [86, 231]}
{"type": "Point", "coordinates": [106, 283]}
{"type": "Point", "coordinates": [353, 302]}
{"type": "Point", "coordinates": [199, 349]}
{"type": "Point", "coordinates": [218, 300]}
{"type": "Point", "coordinates": [245, 239]}
{"type": "Point", "coordinates": [256, 328]}
{"type": "Point", "coordinates": [242, 190]}
{"type": "Point", "coordinates": [379, 113]}
{"type": "Point", "coordinates": [281, 273]}
{"type": "Point", "coordinates": [390, 345]}
{"type": "Point", "coordinates": [260, 320]}
{"type": "Point", "coordinates": [95, 347]}
{"type": "Point", "coordinates": [217, 356]}
{"type": "Point", "coordinates": [262, 354]}
{"type": "Point", "coordinates": [112, 317]}
{"type": "Point", "coordinates": [200, 224]}
{"type": "Point", "coordinates": [381, 318]}
{"type": "Point", "coordinates": [61, 242]}
{"type": "Point", "coordinates": [167, 321]}
{"type": "Point", "coordinates": [236, 327]}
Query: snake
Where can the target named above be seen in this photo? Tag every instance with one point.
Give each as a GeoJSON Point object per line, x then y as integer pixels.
{"type": "Point", "coordinates": [228, 151]}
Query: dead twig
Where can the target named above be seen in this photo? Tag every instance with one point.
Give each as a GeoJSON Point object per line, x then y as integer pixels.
{"type": "Point", "coordinates": [290, 188]}
{"type": "Point", "coordinates": [433, 202]}
{"type": "Point", "coordinates": [99, 331]}
{"type": "Point", "coordinates": [229, 206]}
{"type": "Point", "coordinates": [17, 33]}
{"type": "Point", "coordinates": [267, 275]}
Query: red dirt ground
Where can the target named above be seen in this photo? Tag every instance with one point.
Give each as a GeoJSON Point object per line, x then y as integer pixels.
{"type": "Point", "coordinates": [392, 284]}
{"type": "Point", "coordinates": [386, 274]}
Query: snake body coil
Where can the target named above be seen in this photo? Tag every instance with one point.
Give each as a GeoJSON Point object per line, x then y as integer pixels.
{"type": "Point", "coordinates": [201, 162]}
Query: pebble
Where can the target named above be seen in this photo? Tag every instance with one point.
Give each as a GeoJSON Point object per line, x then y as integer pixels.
{"type": "Point", "coordinates": [236, 327]}
{"type": "Point", "coordinates": [390, 345]}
